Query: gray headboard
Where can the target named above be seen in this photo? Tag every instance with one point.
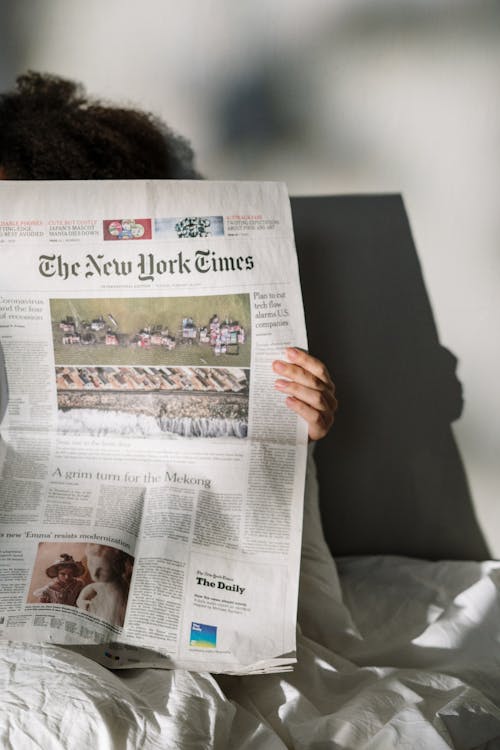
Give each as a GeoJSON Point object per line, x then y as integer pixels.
{"type": "Point", "coordinates": [391, 477]}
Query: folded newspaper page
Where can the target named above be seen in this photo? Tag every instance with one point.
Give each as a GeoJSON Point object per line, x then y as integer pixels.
{"type": "Point", "coordinates": [151, 476]}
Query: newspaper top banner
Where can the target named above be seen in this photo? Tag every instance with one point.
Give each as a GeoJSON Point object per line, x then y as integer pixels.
{"type": "Point", "coordinates": [151, 476]}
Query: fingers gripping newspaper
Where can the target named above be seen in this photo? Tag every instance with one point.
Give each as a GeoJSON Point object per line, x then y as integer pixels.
{"type": "Point", "coordinates": [151, 476]}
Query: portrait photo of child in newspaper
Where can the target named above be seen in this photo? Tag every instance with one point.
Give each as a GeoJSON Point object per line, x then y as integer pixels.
{"type": "Point", "coordinates": [92, 577]}
{"type": "Point", "coordinates": [65, 585]}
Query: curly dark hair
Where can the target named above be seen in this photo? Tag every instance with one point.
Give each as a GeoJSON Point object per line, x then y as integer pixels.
{"type": "Point", "coordinates": [51, 130]}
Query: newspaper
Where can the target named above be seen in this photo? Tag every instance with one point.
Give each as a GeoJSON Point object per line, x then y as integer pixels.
{"type": "Point", "coordinates": [151, 476]}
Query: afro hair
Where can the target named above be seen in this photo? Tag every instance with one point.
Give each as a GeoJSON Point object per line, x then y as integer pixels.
{"type": "Point", "coordinates": [51, 130]}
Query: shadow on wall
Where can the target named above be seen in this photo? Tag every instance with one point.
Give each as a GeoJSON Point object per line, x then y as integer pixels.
{"type": "Point", "coordinates": [390, 474]}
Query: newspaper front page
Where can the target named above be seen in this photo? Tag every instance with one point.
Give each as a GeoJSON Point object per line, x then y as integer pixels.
{"type": "Point", "coordinates": [151, 476]}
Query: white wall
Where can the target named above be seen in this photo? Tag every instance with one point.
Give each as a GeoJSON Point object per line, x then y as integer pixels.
{"type": "Point", "coordinates": [342, 96]}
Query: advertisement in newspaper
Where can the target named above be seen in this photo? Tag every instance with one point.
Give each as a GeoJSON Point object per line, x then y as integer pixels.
{"type": "Point", "coordinates": [151, 478]}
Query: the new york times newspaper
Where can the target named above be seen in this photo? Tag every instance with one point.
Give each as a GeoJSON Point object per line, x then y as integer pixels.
{"type": "Point", "coordinates": [151, 477]}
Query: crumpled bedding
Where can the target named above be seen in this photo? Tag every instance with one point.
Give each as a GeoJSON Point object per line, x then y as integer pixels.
{"type": "Point", "coordinates": [392, 653]}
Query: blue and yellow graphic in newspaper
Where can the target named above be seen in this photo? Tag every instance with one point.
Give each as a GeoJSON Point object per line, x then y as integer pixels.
{"type": "Point", "coordinates": [203, 636]}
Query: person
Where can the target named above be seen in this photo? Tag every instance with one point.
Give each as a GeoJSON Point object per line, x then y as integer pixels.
{"type": "Point", "coordinates": [51, 130]}
{"type": "Point", "coordinates": [66, 587]}
{"type": "Point", "coordinates": [106, 596]}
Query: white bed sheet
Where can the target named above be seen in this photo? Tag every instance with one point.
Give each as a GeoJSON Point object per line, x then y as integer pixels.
{"type": "Point", "coordinates": [404, 654]}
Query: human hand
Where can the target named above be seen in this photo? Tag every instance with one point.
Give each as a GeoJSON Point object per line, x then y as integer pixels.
{"type": "Point", "coordinates": [310, 388]}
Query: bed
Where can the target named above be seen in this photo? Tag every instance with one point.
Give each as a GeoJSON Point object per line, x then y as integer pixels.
{"type": "Point", "coordinates": [393, 652]}
{"type": "Point", "coordinates": [399, 632]}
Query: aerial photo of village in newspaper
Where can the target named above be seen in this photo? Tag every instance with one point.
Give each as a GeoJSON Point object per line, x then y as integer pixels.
{"type": "Point", "coordinates": [153, 366]}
